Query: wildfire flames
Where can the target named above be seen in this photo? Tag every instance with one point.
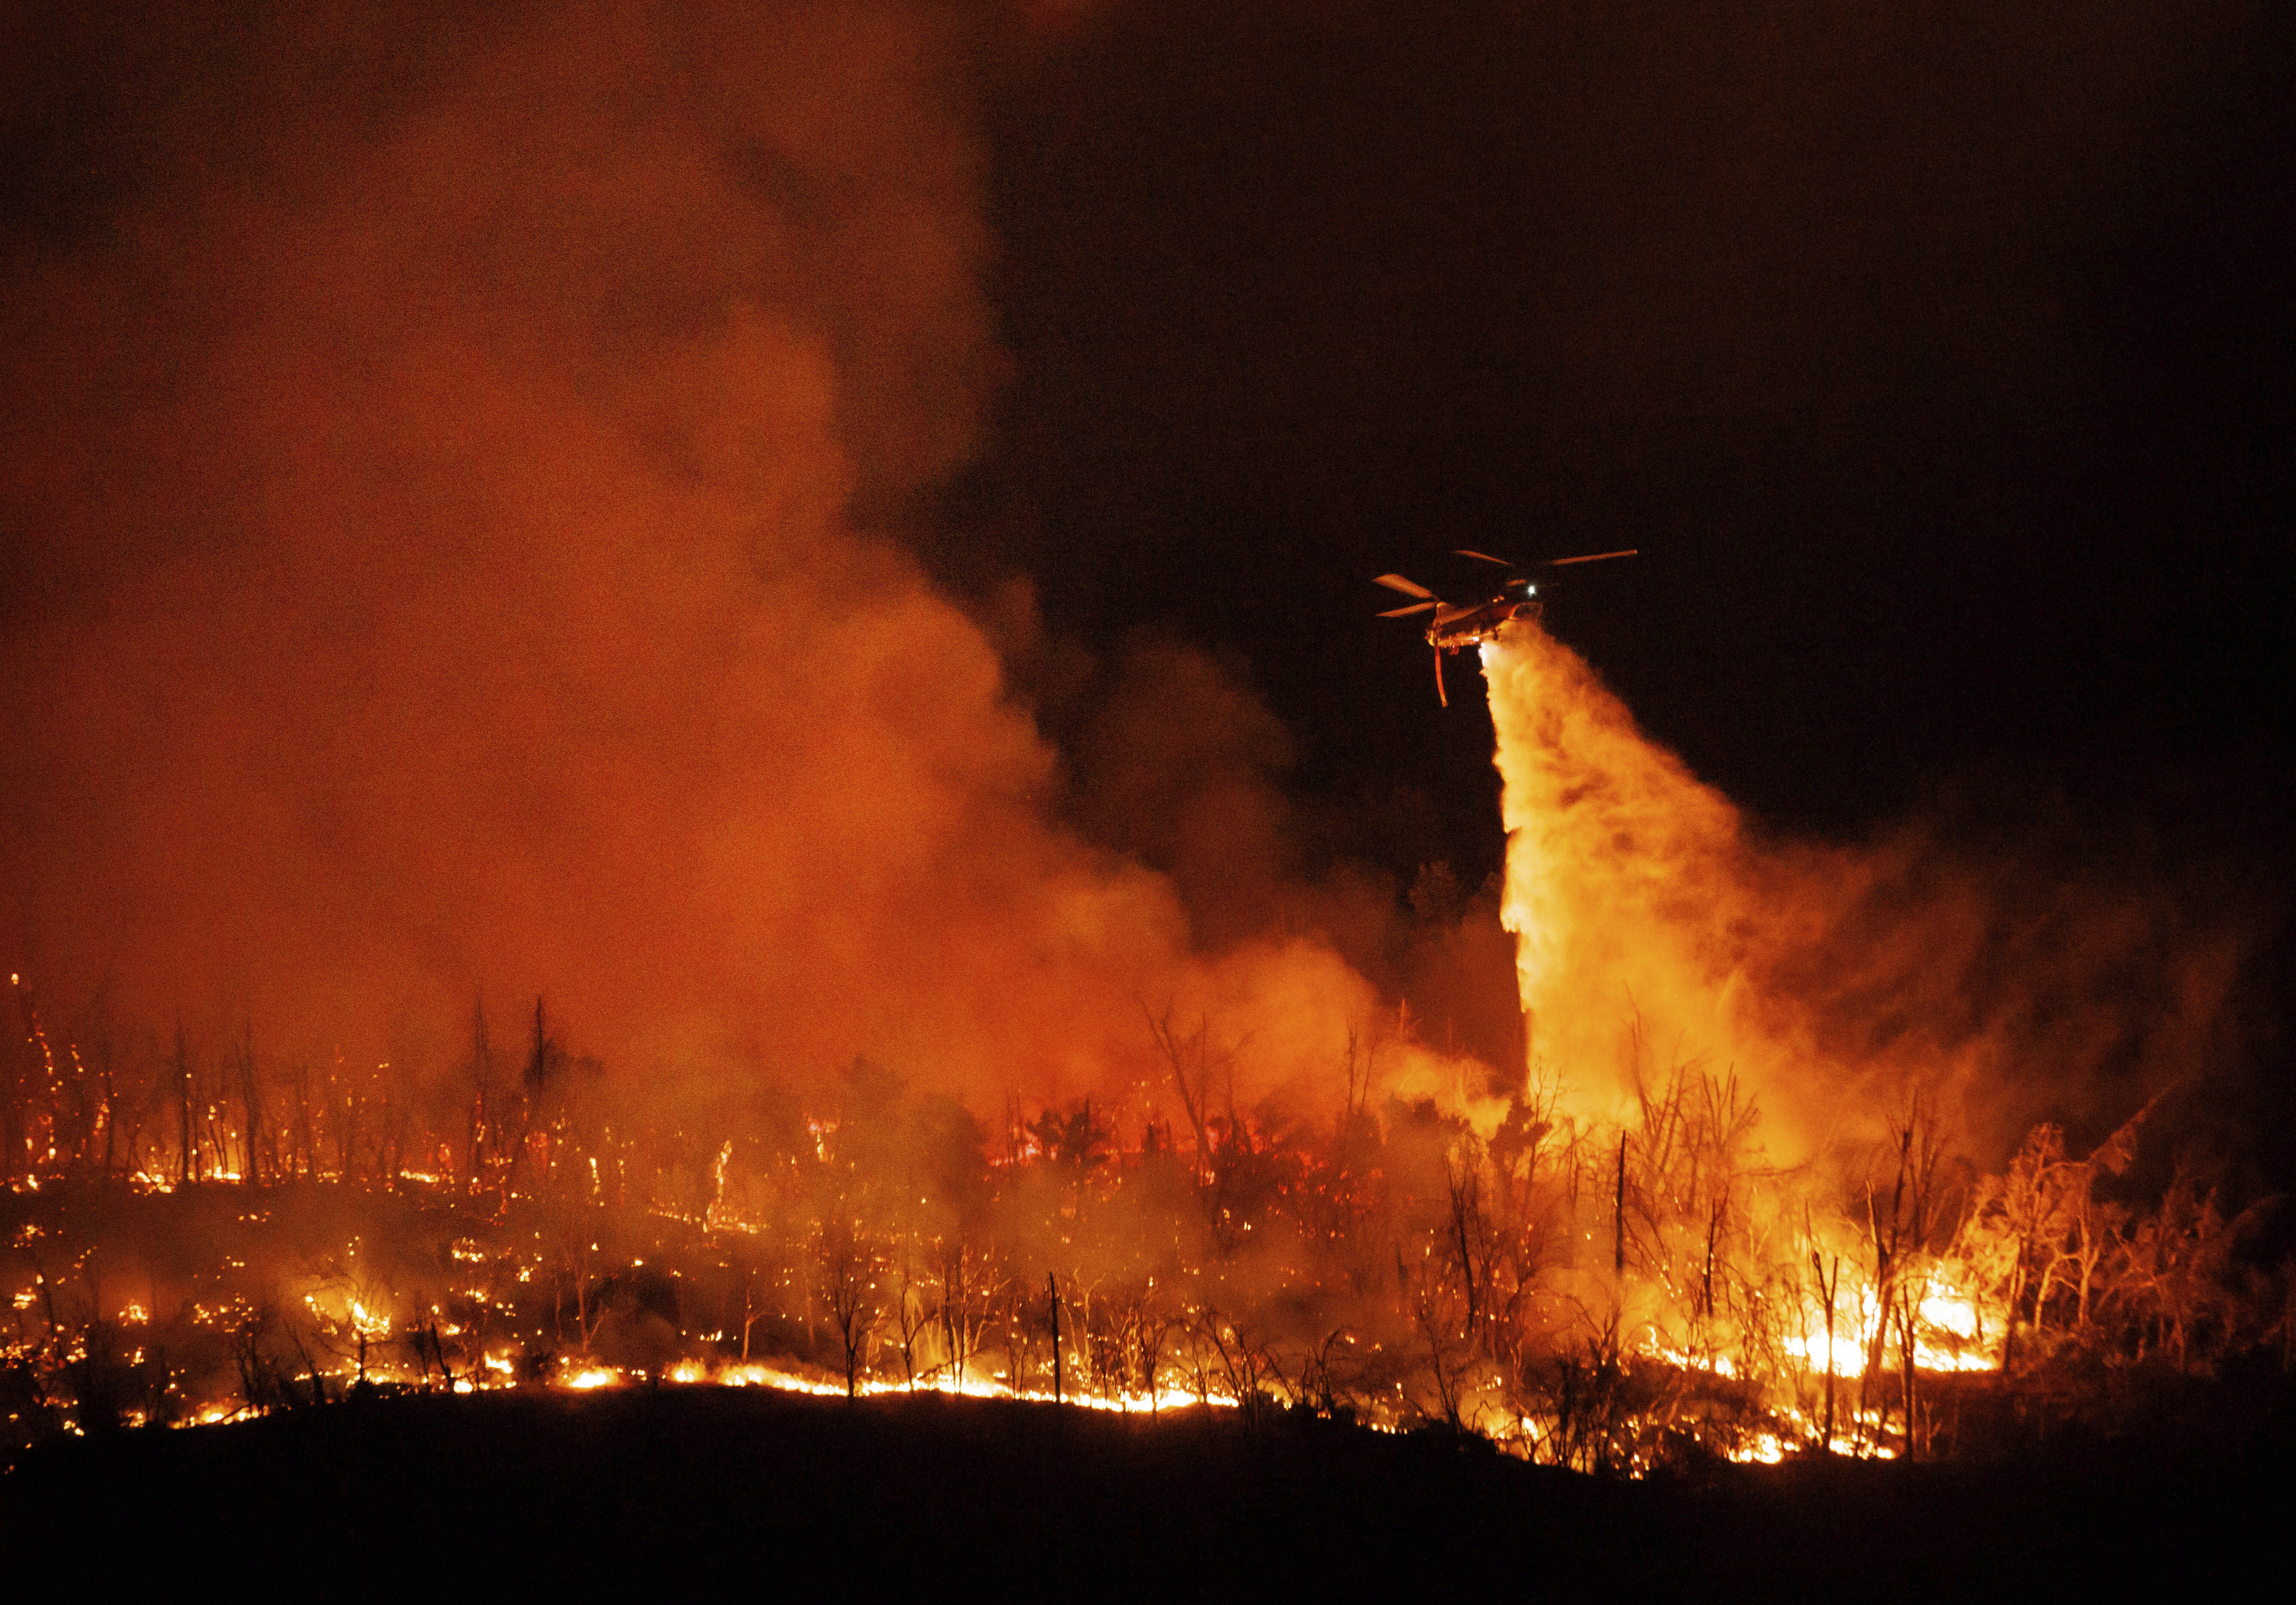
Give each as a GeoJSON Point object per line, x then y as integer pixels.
{"type": "Point", "coordinates": [1685, 1226]}
{"type": "Point", "coordinates": [451, 489]}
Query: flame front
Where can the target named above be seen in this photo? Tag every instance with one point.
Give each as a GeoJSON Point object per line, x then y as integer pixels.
{"type": "Point", "coordinates": [1717, 1212]}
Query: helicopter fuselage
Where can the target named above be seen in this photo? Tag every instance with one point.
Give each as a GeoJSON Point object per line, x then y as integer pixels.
{"type": "Point", "coordinates": [1452, 629]}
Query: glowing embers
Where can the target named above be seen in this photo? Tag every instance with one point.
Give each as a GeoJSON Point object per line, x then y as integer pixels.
{"type": "Point", "coordinates": [704, 1373]}
{"type": "Point", "coordinates": [748, 1374]}
{"type": "Point", "coordinates": [1612, 1292]}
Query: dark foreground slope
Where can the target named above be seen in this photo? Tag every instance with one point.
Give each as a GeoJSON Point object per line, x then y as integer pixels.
{"type": "Point", "coordinates": [760, 1489]}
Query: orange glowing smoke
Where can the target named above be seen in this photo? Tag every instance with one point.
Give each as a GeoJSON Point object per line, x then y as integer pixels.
{"type": "Point", "coordinates": [1649, 927]}
{"type": "Point", "coordinates": [1655, 929]}
{"type": "Point", "coordinates": [449, 495]}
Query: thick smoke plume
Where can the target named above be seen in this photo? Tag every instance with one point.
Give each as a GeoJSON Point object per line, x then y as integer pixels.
{"type": "Point", "coordinates": [430, 496]}
{"type": "Point", "coordinates": [1656, 927]}
{"type": "Point", "coordinates": [428, 486]}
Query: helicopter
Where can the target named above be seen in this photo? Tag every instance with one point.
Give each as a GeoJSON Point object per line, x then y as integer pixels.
{"type": "Point", "coordinates": [1455, 627]}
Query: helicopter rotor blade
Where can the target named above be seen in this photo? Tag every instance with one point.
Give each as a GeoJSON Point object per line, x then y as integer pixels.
{"type": "Point", "coordinates": [1485, 556]}
{"type": "Point", "coordinates": [1441, 695]}
{"type": "Point", "coordinates": [1592, 557]}
{"type": "Point", "coordinates": [1396, 582]}
{"type": "Point", "coordinates": [1416, 607]}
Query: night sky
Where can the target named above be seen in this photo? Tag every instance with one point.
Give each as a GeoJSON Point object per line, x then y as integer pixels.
{"type": "Point", "coordinates": [445, 451]}
{"type": "Point", "coordinates": [1938, 358]}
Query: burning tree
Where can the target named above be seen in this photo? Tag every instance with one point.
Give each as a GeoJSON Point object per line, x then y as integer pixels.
{"type": "Point", "coordinates": [1602, 1296]}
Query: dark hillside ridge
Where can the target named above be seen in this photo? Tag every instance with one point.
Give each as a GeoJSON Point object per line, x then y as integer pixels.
{"type": "Point", "coordinates": [893, 1492]}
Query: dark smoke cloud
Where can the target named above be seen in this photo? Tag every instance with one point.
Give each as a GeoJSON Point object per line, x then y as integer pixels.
{"type": "Point", "coordinates": [1182, 765]}
{"type": "Point", "coordinates": [430, 517]}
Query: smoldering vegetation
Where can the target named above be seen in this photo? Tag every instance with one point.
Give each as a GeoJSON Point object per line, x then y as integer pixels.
{"type": "Point", "coordinates": [1624, 1299]}
{"type": "Point", "coordinates": [444, 521]}
{"type": "Point", "coordinates": [1617, 1259]}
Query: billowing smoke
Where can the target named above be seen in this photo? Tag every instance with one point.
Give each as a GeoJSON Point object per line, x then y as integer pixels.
{"type": "Point", "coordinates": [429, 489]}
{"type": "Point", "coordinates": [434, 496]}
{"type": "Point", "coordinates": [1656, 929]}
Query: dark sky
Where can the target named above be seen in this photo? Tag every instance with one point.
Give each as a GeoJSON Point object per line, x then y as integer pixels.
{"type": "Point", "coordinates": [1937, 358]}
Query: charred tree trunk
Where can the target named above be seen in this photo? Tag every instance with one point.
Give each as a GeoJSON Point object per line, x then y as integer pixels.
{"type": "Point", "coordinates": [303, 1151]}
{"type": "Point", "coordinates": [1829, 1285]}
{"type": "Point", "coordinates": [111, 1092]}
{"type": "Point", "coordinates": [1618, 1217]}
{"type": "Point", "coordinates": [1907, 1310]}
{"type": "Point", "coordinates": [186, 1136]}
{"type": "Point", "coordinates": [250, 1101]}
{"type": "Point", "coordinates": [482, 1098]}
